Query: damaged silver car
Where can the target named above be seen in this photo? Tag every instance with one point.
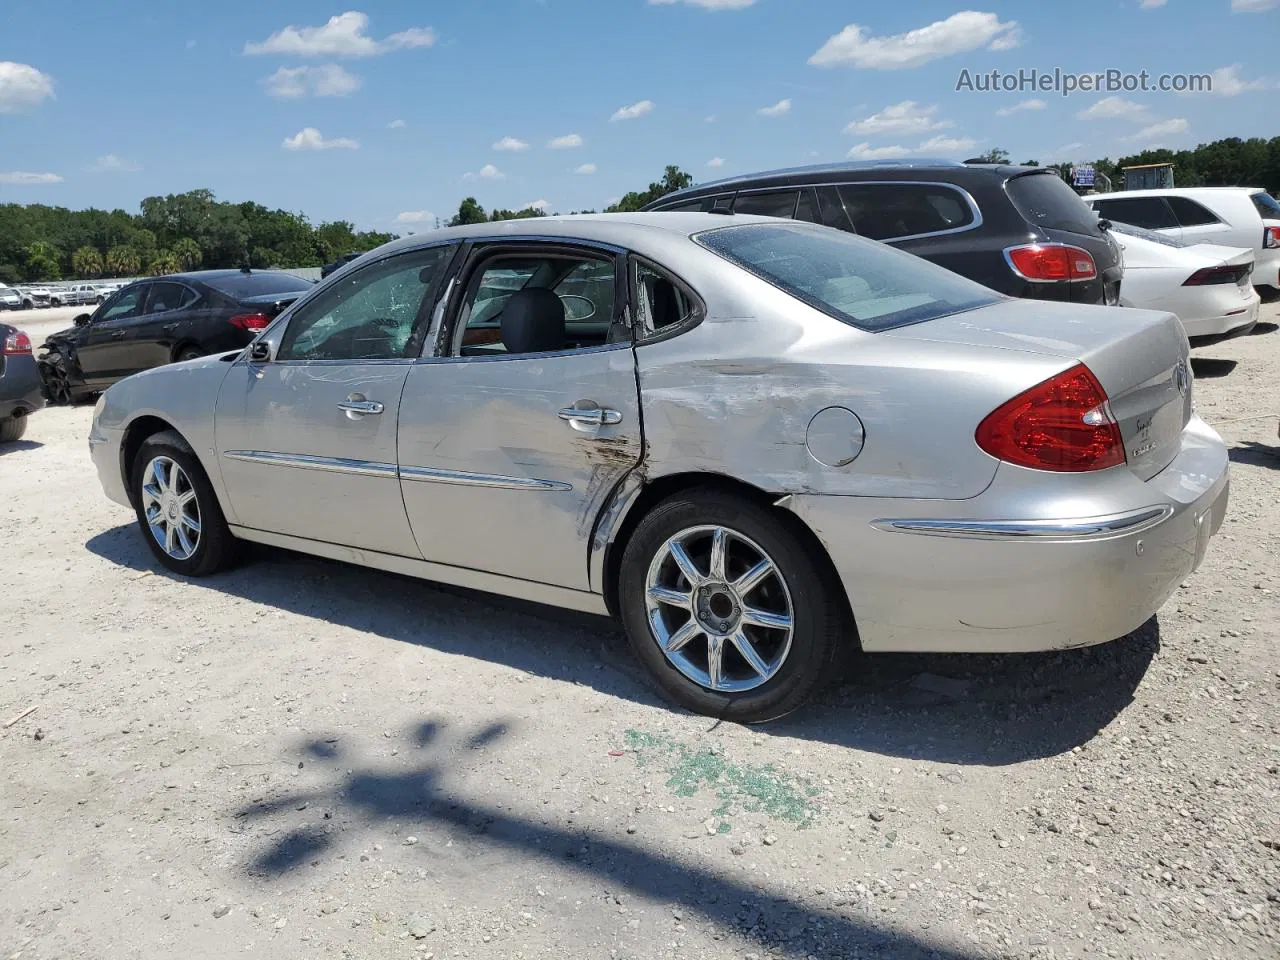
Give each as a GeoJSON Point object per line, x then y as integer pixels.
{"type": "Point", "coordinates": [758, 443]}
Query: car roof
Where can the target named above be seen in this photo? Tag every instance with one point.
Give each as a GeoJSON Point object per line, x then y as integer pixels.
{"type": "Point", "coordinates": [1171, 192]}
{"type": "Point", "coordinates": [208, 275]}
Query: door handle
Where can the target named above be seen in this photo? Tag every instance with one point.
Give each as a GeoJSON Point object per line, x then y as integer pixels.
{"type": "Point", "coordinates": [116, 335]}
{"type": "Point", "coordinates": [589, 414]}
{"type": "Point", "coordinates": [356, 406]}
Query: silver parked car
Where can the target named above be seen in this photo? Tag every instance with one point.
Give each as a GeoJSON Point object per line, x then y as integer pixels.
{"type": "Point", "coordinates": [756, 442]}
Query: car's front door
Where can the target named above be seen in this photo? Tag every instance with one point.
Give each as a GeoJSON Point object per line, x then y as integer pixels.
{"type": "Point", "coordinates": [307, 442]}
{"type": "Point", "coordinates": [514, 435]}
{"type": "Point", "coordinates": [103, 347]}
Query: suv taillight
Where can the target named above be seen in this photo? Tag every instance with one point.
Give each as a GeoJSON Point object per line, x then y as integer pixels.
{"type": "Point", "coordinates": [1064, 424]}
{"type": "Point", "coordinates": [251, 321]}
{"type": "Point", "coordinates": [1207, 276]}
{"type": "Point", "coordinates": [17, 344]}
{"type": "Point", "coordinates": [1051, 262]}
{"type": "Point", "coordinates": [1271, 237]}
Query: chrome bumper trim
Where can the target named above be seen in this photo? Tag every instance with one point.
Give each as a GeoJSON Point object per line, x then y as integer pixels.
{"type": "Point", "coordinates": [1127, 523]}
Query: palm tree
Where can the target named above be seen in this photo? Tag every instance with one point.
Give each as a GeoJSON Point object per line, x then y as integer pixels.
{"type": "Point", "coordinates": [188, 253]}
{"type": "Point", "coordinates": [165, 261]}
{"type": "Point", "coordinates": [86, 262]}
{"type": "Point", "coordinates": [123, 261]}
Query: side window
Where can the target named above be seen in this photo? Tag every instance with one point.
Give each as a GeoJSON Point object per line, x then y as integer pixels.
{"type": "Point", "coordinates": [689, 206]}
{"type": "Point", "coordinates": [1190, 213]}
{"type": "Point", "coordinates": [166, 296]}
{"type": "Point", "coordinates": [660, 302]}
{"type": "Point", "coordinates": [125, 304]}
{"type": "Point", "coordinates": [779, 203]}
{"type": "Point", "coordinates": [831, 212]}
{"type": "Point", "coordinates": [530, 302]}
{"type": "Point", "coordinates": [370, 314]}
{"type": "Point", "coordinates": [1150, 212]}
{"type": "Point", "coordinates": [807, 208]}
{"type": "Point", "coordinates": [886, 211]}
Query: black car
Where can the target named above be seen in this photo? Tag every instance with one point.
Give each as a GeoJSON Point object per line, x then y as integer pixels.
{"type": "Point", "coordinates": [153, 322]}
{"type": "Point", "coordinates": [338, 264]}
{"type": "Point", "coordinates": [20, 388]}
{"type": "Point", "coordinates": [1019, 230]}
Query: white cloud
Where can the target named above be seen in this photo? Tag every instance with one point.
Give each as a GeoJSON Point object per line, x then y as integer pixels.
{"type": "Point", "coordinates": [29, 179]}
{"type": "Point", "coordinates": [633, 110]}
{"type": "Point", "coordinates": [191, 44]}
{"type": "Point", "coordinates": [326, 80]}
{"type": "Point", "coordinates": [1021, 105]}
{"type": "Point", "coordinates": [396, 125]}
{"type": "Point", "coordinates": [864, 151]}
{"type": "Point", "coordinates": [110, 163]}
{"type": "Point", "coordinates": [905, 117]}
{"type": "Point", "coordinates": [415, 216]}
{"type": "Point", "coordinates": [568, 142]}
{"type": "Point", "coordinates": [710, 119]}
{"type": "Point", "coordinates": [487, 172]}
{"type": "Point", "coordinates": [542, 205]}
{"type": "Point", "coordinates": [586, 169]}
{"type": "Point", "coordinates": [309, 138]}
{"type": "Point", "coordinates": [960, 33]}
{"type": "Point", "coordinates": [342, 36]}
{"type": "Point", "coordinates": [510, 145]}
{"type": "Point", "coordinates": [716, 162]}
{"type": "Point", "coordinates": [1252, 6]}
{"type": "Point", "coordinates": [777, 110]}
{"type": "Point", "coordinates": [1162, 128]}
{"type": "Point", "coordinates": [1151, 4]}
{"type": "Point", "coordinates": [1227, 82]}
{"type": "Point", "coordinates": [947, 145]}
{"type": "Point", "coordinates": [707, 4]}
{"type": "Point", "coordinates": [22, 86]}
{"type": "Point", "coordinates": [1115, 108]}
{"type": "Point", "coordinates": [934, 145]}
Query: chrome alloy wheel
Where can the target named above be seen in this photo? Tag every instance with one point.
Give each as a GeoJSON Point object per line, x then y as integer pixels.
{"type": "Point", "coordinates": [172, 510]}
{"type": "Point", "coordinates": [719, 609]}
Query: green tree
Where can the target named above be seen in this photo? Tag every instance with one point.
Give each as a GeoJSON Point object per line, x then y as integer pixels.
{"type": "Point", "coordinates": [123, 261]}
{"type": "Point", "coordinates": [469, 211]}
{"type": "Point", "coordinates": [42, 261]}
{"type": "Point", "coordinates": [86, 263]}
{"type": "Point", "coordinates": [528, 213]}
{"type": "Point", "coordinates": [188, 253]}
{"type": "Point", "coordinates": [673, 179]}
{"type": "Point", "coordinates": [164, 261]}
{"type": "Point", "coordinates": [994, 155]}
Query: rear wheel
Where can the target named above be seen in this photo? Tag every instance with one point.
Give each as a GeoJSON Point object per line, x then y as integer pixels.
{"type": "Point", "coordinates": [188, 353]}
{"type": "Point", "coordinates": [177, 510]}
{"type": "Point", "coordinates": [727, 608]}
{"type": "Point", "coordinates": [12, 428]}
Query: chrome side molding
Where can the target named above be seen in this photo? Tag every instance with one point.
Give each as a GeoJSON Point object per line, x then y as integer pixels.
{"type": "Point", "coordinates": [1127, 523]}
{"type": "Point", "coordinates": [462, 478]}
{"type": "Point", "coordinates": [371, 468]}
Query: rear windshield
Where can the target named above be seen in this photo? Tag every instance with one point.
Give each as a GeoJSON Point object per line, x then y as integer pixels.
{"type": "Point", "coordinates": [864, 283]}
{"type": "Point", "coordinates": [1046, 201]}
{"type": "Point", "coordinates": [1268, 206]}
{"type": "Point", "coordinates": [264, 284]}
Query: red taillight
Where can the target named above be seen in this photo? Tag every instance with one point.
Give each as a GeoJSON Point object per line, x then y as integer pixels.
{"type": "Point", "coordinates": [17, 344]}
{"type": "Point", "coordinates": [1219, 274]}
{"type": "Point", "coordinates": [1052, 262]}
{"type": "Point", "coordinates": [1271, 237]}
{"type": "Point", "coordinates": [251, 321]}
{"type": "Point", "coordinates": [1063, 424]}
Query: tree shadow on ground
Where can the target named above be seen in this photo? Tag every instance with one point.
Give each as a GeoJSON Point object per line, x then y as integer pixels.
{"type": "Point", "coordinates": [498, 840]}
{"type": "Point", "coordinates": [965, 709]}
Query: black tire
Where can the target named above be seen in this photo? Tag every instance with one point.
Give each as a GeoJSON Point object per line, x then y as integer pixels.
{"type": "Point", "coordinates": [818, 614]}
{"type": "Point", "coordinates": [215, 548]}
{"type": "Point", "coordinates": [188, 352]}
{"type": "Point", "coordinates": [12, 429]}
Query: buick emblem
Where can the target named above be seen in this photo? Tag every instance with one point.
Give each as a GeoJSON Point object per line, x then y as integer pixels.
{"type": "Point", "coordinates": [1181, 378]}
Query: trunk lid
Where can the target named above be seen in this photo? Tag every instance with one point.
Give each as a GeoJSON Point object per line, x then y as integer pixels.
{"type": "Point", "coordinates": [1141, 358]}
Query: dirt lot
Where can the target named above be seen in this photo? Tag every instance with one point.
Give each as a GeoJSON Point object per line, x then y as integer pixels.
{"type": "Point", "coordinates": [301, 759]}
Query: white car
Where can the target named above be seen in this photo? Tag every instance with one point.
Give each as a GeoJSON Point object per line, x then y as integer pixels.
{"type": "Point", "coordinates": [10, 298]}
{"type": "Point", "coordinates": [1231, 216]}
{"type": "Point", "coordinates": [76, 294]}
{"type": "Point", "coordinates": [1208, 287]}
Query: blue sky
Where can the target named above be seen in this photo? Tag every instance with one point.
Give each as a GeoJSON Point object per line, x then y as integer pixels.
{"type": "Point", "coordinates": [388, 113]}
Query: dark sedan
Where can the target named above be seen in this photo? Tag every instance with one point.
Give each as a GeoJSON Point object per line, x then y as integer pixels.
{"type": "Point", "coordinates": [169, 319]}
{"type": "Point", "coordinates": [20, 394]}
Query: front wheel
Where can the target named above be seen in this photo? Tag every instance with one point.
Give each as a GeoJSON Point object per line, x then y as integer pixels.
{"type": "Point", "coordinates": [12, 429]}
{"type": "Point", "coordinates": [177, 510]}
{"type": "Point", "coordinates": [727, 607]}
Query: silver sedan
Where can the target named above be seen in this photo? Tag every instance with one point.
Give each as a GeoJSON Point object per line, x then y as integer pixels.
{"type": "Point", "coordinates": [757, 443]}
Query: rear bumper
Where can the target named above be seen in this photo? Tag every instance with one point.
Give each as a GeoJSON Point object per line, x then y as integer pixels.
{"type": "Point", "coordinates": [960, 576]}
{"type": "Point", "coordinates": [1236, 319]}
{"type": "Point", "coordinates": [21, 389]}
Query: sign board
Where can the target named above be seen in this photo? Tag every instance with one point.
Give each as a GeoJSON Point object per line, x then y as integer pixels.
{"type": "Point", "coordinates": [1082, 176]}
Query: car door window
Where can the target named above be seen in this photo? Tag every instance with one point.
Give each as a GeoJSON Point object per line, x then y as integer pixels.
{"type": "Point", "coordinates": [1150, 212]}
{"type": "Point", "coordinates": [578, 309]}
{"type": "Point", "coordinates": [689, 206]}
{"type": "Point", "coordinates": [661, 304]}
{"type": "Point", "coordinates": [371, 314]}
{"type": "Point", "coordinates": [889, 211]}
{"type": "Point", "coordinates": [1190, 213]}
{"type": "Point", "coordinates": [166, 296]}
{"type": "Point", "coordinates": [125, 304]}
{"type": "Point", "coordinates": [777, 203]}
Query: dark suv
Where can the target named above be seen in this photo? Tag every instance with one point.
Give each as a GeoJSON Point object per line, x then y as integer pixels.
{"type": "Point", "coordinates": [1019, 230]}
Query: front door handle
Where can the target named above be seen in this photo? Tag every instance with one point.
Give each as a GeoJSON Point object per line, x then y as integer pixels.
{"type": "Point", "coordinates": [116, 335]}
{"type": "Point", "coordinates": [357, 406]}
{"type": "Point", "coordinates": [587, 414]}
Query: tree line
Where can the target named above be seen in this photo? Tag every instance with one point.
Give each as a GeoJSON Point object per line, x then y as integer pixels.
{"type": "Point", "coordinates": [194, 230]}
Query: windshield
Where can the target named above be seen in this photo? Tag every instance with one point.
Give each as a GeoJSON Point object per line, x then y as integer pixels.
{"type": "Point", "coordinates": [1046, 201]}
{"type": "Point", "coordinates": [864, 283]}
{"type": "Point", "coordinates": [1267, 205]}
{"type": "Point", "coordinates": [265, 284]}
{"type": "Point", "coordinates": [1130, 230]}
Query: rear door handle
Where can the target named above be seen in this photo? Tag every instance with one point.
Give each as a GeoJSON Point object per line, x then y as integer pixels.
{"type": "Point", "coordinates": [356, 406]}
{"type": "Point", "coordinates": [586, 414]}
{"type": "Point", "coordinates": [116, 335]}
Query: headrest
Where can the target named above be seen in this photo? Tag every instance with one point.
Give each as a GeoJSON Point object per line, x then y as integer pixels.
{"type": "Point", "coordinates": [533, 322]}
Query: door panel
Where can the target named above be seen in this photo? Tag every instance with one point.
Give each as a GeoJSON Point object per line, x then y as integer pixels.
{"type": "Point", "coordinates": [294, 462]}
{"type": "Point", "coordinates": [494, 479]}
{"type": "Point", "coordinates": [103, 348]}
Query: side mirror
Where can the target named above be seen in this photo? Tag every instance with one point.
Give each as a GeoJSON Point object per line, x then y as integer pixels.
{"type": "Point", "coordinates": [82, 320]}
{"type": "Point", "coordinates": [1104, 223]}
{"type": "Point", "coordinates": [261, 351]}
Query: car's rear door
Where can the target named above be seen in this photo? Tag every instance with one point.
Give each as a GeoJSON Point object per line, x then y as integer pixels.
{"type": "Point", "coordinates": [162, 328]}
{"type": "Point", "coordinates": [507, 458]}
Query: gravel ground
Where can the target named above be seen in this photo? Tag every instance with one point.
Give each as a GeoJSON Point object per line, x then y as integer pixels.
{"type": "Point", "coordinates": [302, 759]}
